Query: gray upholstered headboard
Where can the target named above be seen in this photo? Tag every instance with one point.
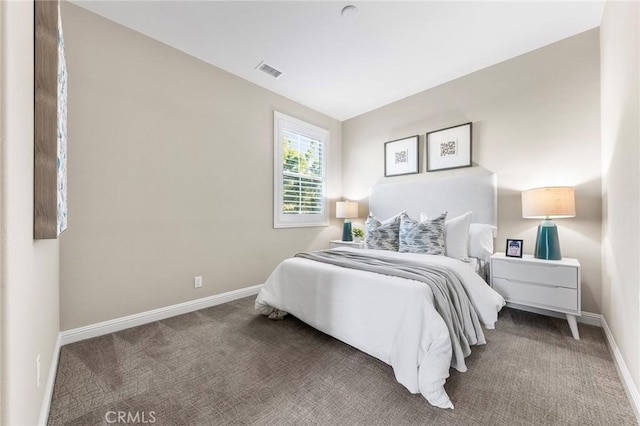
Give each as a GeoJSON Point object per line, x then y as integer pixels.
{"type": "Point", "coordinates": [475, 191]}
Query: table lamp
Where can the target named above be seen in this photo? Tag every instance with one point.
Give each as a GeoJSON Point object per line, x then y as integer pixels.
{"type": "Point", "coordinates": [548, 203]}
{"type": "Point", "coordinates": [346, 210]}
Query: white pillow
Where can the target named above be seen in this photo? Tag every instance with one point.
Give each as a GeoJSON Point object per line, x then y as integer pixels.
{"type": "Point", "coordinates": [456, 235]}
{"type": "Point", "coordinates": [481, 240]}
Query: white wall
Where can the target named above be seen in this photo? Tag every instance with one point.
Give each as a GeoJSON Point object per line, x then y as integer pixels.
{"type": "Point", "coordinates": [536, 122]}
{"type": "Point", "coordinates": [620, 67]}
{"type": "Point", "coordinates": [29, 268]}
{"type": "Point", "coordinates": [170, 175]}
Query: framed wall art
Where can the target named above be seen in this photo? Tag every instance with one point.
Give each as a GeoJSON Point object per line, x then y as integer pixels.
{"type": "Point", "coordinates": [401, 157]}
{"type": "Point", "coordinates": [449, 148]}
{"type": "Point", "coordinates": [50, 123]}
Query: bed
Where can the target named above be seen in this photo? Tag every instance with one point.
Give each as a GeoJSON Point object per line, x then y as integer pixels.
{"type": "Point", "coordinates": [393, 318]}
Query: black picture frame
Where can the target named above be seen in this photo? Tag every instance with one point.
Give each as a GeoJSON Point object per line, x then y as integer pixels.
{"type": "Point", "coordinates": [514, 248]}
{"type": "Point", "coordinates": [449, 148]}
{"type": "Point", "coordinates": [401, 157]}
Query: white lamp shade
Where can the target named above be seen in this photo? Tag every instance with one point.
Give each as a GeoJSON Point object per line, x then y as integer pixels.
{"type": "Point", "coordinates": [346, 209]}
{"type": "Point", "coordinates": [552, 202]}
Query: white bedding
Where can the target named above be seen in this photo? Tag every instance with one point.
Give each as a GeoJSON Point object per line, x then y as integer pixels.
{"type": "Point", "coordinates": [390, 318]}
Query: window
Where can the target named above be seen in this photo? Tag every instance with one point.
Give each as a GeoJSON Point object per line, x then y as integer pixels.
{"type": "Point", "coordinates": [300, 173]}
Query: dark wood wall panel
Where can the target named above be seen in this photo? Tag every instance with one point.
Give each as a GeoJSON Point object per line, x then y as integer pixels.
{"type": "Point", "coordinates": [46, 119]}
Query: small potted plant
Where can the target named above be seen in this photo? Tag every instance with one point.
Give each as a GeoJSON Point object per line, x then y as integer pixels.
{"type": "Point", "coordinates": [358, 233]}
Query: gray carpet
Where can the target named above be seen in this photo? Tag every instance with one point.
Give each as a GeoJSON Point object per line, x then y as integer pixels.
{"type": "Point", "coordinates": [226, 365]}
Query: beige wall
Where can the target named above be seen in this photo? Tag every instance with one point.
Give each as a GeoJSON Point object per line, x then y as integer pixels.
{"type": "Point", "coordinates": [29, 268]}
{"type": "Point", "coordinates": [2, 237]}
{"type": "Point", "coordinates": [170, 176]}
{"type": "Point", "coordinates": [620, 47]}
{"type": "Point", "coordinates": [536, 122]}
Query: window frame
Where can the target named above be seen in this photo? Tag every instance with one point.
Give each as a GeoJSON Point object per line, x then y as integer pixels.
{"type": "Point", "coordinates": [280, 220]}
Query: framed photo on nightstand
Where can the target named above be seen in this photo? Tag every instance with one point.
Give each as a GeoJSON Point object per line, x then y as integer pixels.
{"type": "Point", "coordinates": [514, 248]}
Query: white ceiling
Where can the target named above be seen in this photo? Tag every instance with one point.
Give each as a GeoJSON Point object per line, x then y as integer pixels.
{"type": "Point", "coordinates": [346, 67]}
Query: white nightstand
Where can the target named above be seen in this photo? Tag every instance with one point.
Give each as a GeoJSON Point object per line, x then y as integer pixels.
{"type": "Point", "coordinates": [553, 285]}
{"type": "Point", "coordinates": [340, 243]}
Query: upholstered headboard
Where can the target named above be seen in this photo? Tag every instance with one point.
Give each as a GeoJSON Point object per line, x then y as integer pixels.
{"type": "Point", "coordinates": [475, 191]}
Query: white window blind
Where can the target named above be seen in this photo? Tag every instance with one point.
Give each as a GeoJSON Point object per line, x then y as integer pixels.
{"type": "Point", "coordinates": [300, 173]}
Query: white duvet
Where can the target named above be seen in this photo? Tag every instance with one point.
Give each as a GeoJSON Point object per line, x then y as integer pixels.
{"type": "Point", "coordinates": [390, 318]}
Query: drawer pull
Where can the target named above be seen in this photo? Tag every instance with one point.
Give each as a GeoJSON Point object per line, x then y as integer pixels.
{"type": "Point", "coordinates": [538, 265]}
{"type": "Point", "coordinates": [532, 283]}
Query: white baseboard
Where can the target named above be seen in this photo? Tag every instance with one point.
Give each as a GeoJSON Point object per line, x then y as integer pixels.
{"type": "Point", "coordinates": [586, 317]}
{"type": "Point", "coordinates": [111, 326]}
{"type": "Point", "coordinates": [627, 380]}
{"type": "Point", "coordinates": [51, 380]}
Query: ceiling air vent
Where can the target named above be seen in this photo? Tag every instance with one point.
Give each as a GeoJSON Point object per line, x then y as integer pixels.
{"type": "Point", "coordinates": [269, 70]}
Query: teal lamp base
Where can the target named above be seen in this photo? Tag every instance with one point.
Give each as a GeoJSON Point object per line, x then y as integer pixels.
{"type": "Point", "coordinates": [547, 243]}
{"type": "Point", "coordinates": [346, 231]}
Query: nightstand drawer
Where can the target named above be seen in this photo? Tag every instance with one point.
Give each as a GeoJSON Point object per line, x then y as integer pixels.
{"type": "Point", "coordinates": [542, 295]}
{"type": "Point", "coordinates": [340, 243]}
{"type": "Point", "coordinates": [561, 276]}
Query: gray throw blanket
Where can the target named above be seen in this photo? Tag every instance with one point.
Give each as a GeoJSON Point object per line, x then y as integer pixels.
{"type": "Point", "coordinates": [450, 297]}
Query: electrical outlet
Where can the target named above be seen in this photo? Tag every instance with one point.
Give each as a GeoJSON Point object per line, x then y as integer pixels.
{"type": "Point", "coordinates": [38, 370]}
{"type": "Point", "coordinates": [197, 281]}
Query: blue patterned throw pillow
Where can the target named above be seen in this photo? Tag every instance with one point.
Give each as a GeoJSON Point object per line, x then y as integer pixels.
{"type": "Point", "coordinates": [426, 237]}
{"type": "Point", "coordinates": [382, 235]}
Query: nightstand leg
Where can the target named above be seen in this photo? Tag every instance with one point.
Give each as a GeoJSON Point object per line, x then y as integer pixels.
{"type": "Point", "coordinates": [573, 325]}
